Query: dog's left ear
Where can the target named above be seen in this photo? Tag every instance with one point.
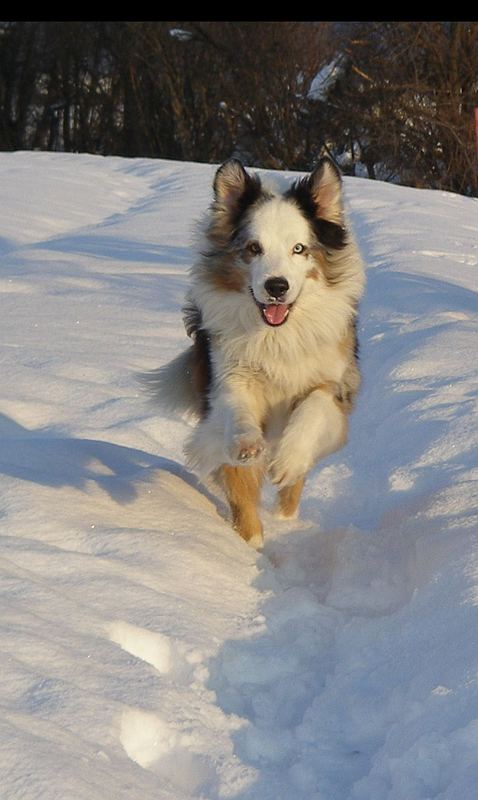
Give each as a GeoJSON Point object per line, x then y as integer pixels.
{"type": "Point", "coordinates": [325, 187]}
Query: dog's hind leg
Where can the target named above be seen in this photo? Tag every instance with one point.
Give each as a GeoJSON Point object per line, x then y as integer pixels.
{"type": "Point", "coordinates": [243, 489]}
{"type": "Point", "coordinates": [289, 499]}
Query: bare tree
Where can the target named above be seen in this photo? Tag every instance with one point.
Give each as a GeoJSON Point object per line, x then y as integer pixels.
{"type": "Point", "coordinates": [404, 101]}
{"type": "Point", "coordinates": [392, 100]}
{"type": "Point", "coordinates": [18, 78]}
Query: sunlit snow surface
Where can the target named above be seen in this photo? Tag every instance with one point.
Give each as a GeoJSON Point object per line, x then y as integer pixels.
{"type": "Point", "coordinates": [146, 652]}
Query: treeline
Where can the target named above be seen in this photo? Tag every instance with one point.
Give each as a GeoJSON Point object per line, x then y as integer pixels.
{"type": "Point", "coordinates": [389, 100]}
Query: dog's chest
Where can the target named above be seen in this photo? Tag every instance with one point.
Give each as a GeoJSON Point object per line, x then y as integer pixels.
{"type": "Point", "coordinates": [284, 372]}
{"type": "Point", "coordinates": [295, 376]}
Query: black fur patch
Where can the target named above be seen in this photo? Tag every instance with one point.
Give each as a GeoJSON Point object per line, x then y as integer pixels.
{"type": "Point", "coordinates": [201, 363]}
{"type": "Point", "coordinates": [251, 194]}
{"type": "Point", "coordinates": [356, 341]}
{"type": "Point", "coordinates": [350, 382]}
{"type": "Point", "coordinates": [330, 234]}
{"type": "Point", "coordinates": [192, 319]}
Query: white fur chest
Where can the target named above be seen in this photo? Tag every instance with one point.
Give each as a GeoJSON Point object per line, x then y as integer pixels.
{"type": "Point", "coordinates": [283, 365]}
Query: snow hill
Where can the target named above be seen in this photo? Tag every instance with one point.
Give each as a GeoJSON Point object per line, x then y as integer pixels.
{"type": "Point", "coordinates": [146, 652]}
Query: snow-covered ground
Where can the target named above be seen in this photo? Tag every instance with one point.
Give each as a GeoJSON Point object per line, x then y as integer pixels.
{"type": "Point", "coordinates": [146, 652]}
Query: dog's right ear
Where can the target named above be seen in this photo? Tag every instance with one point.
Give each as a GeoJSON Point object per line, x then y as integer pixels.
{"type": "Point", "coordinates": [233, 187]}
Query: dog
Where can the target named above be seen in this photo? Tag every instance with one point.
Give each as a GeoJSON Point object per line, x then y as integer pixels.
{"type": "Point", "coordinates": [272, 372]}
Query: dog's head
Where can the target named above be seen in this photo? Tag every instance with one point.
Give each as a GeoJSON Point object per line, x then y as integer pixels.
{"type": "Point", "coordinates": [270, 243]}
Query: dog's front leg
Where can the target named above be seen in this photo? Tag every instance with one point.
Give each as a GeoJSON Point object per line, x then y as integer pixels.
{"type": "Point", "coordinates": [316, 428]}
{"type": "Point", "coordinates": [244, 411]}
{"type": "Point", "coordinates": [231, 433]}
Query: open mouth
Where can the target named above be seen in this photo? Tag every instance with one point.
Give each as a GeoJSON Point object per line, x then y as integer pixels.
{"type": "Point", "coordinates": [275, 314]}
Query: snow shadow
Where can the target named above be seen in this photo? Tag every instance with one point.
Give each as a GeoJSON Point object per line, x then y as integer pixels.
{"type": "Point", "coordinates": [107, 247]}
{"type": "Point", "coordinates": [51, 459]}
{"type": "Point", "coordinates": [6, 245]}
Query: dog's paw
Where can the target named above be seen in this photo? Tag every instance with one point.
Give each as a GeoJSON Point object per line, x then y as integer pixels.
{"type": "Point", "coordinates": [287, 467]}
{"type": "Point", "coordinates": [246, 447]}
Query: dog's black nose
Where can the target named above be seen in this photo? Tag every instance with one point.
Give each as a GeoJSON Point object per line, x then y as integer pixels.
{"type": "Point", "coordinates": [276, 287]}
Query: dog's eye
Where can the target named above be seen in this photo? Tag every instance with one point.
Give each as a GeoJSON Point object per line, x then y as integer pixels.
{"type": "Point", "coordinates": [298, 248]}
{"type": "Point", "coordinates": [254, 248]}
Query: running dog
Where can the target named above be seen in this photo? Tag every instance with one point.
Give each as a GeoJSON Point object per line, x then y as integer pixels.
{"type": "Point", "coordinates": [272, 371]}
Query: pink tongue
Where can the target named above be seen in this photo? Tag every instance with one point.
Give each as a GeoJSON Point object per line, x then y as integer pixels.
{"type": "Point", "coordinates": [275, 315]}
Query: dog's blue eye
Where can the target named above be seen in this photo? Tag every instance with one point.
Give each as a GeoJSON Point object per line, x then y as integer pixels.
{"type": "Point", "coordinates": [298, 248]}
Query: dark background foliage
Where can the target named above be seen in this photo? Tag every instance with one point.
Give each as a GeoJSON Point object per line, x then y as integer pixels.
{"type": "Point", "coordinates": [389, 100]}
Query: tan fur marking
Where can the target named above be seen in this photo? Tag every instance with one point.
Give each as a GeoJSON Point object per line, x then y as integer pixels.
{"type": "Point", "coordinates": [229, 278]}
{"type": "Point", "coordinates": [289, 498]}
{"type": "Point", "coordinates": [323, 266]}
{"type": "Point", "coordinates": [314, 274]}
{"type": "Point", "coordinates": [243, 487]}
{"type": "Point", "coordinates": [319, 257]}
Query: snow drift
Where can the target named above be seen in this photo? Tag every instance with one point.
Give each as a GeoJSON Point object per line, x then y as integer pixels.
{"type": "Point", "coordinates": [146, 651]}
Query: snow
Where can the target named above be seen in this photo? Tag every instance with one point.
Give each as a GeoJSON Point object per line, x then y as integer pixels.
{"type": "Point", "coordinates": [145, 650]}
{"type": "Point", "coordinates": [181, 34]}
{"type": "Point", "coordinates": [325, 79]}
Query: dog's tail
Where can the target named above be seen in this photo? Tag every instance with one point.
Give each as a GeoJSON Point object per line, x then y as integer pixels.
{"type": "Point", "coordinates": [182, 386]}
{"type": "Point", "coordinates": [173, 387]}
